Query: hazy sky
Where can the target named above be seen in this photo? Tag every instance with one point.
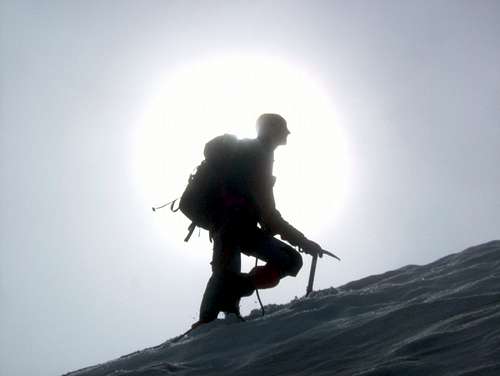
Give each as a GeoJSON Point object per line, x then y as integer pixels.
{"type": "Point", "coordinates": [85, 273]}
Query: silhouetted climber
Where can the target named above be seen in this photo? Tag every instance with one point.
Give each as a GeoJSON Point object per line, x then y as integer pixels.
{"type": "Point", "coordinates": [245, 219]}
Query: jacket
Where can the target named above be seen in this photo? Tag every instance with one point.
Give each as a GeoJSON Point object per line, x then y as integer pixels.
{"type": "Point", "coordinates": [253, 179]}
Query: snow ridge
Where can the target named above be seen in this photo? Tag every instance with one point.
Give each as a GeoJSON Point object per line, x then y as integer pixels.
{"type": "Point", "coordinates": [438, 319]}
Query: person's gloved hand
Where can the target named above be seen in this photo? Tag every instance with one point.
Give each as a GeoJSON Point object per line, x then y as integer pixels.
{"type": "Point", "coordinates": [312, 248]}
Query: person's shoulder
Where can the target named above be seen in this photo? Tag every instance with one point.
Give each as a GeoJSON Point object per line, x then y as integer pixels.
{"type": "Point", "coordinates": [253, 151]}
{"type": "Point", "coordinates": [250, 146]}
{"type": "Point", "coordinates": [248, 142]}
{"type": "Point", "coordinates": [253, 145]}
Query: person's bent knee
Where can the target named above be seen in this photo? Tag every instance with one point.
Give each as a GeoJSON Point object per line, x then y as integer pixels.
{"type": "Point", "coordinates": [295, 264]}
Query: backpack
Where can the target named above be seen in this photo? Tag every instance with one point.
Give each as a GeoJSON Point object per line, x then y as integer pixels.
{"type": "Point", "coordinates": [202, 195]}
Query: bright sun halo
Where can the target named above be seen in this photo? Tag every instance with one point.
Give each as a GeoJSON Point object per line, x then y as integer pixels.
{"type": "Point", "coordinates": [226, 95]}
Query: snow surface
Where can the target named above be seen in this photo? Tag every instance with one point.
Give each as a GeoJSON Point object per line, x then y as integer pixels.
{"type": "Point", "coordinates": [438, 319]}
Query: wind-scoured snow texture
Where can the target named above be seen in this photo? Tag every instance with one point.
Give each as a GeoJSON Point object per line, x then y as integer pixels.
{"type": "Point", "coordinates": [439, 319]}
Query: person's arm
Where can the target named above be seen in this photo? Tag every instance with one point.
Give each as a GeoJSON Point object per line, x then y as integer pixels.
{"type": "Point", "coordinates": [274, 222]}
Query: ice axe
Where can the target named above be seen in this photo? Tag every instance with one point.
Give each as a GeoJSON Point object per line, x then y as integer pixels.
{"type": "Point", "coordinates": [313, 268]}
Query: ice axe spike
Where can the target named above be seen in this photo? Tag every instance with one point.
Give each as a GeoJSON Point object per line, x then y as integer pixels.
{"type": "Point", "coordinates": [330, 254]}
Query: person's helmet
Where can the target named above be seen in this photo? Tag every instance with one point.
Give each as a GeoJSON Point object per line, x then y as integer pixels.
{"type": "Point", "coordinates": [271, 124]}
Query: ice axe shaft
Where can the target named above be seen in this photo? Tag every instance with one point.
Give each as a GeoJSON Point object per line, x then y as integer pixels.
{"type": "Point", "coordinates": [314, 262]}
{"type": "Point", "coordinates": [311, 274]}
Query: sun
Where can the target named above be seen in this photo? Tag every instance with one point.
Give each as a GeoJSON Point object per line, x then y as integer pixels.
{"type": "Point", "coordinates": [226, 94]}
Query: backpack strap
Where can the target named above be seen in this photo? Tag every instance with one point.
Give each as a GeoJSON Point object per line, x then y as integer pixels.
{"type": "Point", "coordinates": [191, 228]}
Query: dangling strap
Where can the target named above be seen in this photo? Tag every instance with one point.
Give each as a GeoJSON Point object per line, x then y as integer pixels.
{"type": "Point", "coordinates": [257, 292]}
{"type": "Point", "coordinates": [190, 231]}
{"type": "Point", "coordinates": [172, 206]}
{"type": "Point", "coordinates": [171, 203]}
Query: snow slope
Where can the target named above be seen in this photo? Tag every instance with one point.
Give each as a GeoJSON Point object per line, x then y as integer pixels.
{"type": "Point", "coordinates": [438, 319]}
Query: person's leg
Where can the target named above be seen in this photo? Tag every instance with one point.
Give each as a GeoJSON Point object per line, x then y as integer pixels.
{"type": "Point", "coordinates": [227, 284]}
{"type": "Point", "coordinates": [209, 308]}
{"type": "Point", "coordinates": [281, 259]}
